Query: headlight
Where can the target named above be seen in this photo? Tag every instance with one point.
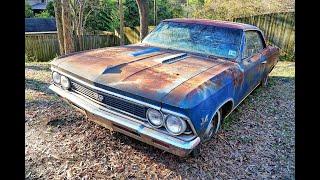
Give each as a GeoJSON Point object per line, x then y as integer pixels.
{"type": "Point", "coordinates": [175, 125]}
{"type": "Point", "coordinates": [65, 83]}
{"type": "Point", "coordinates": [155, 117]}
{"type": "Point", "coordinates": [56, 77]}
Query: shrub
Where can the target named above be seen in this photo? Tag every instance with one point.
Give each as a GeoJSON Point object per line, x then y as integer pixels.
{"type": "Point", "coordinates": [29, 58]}
{"type": "Point", "coordinates": [28, 13]}
{"type": "Point", "coordinates": [43, 14]}
{"type": "Point", "coordinates": [50, 8]}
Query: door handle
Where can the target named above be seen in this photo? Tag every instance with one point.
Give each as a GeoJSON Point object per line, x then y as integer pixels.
{"type": "Point", "coordinates": [264, 62]}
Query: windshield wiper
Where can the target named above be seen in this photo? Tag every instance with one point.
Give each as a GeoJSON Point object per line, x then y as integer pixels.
{"type": "Point", "coordinates": [211, 56]}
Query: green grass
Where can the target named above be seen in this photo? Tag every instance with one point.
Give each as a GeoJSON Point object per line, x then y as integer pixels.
{"type": "Point", "coordinates": [284, 69]}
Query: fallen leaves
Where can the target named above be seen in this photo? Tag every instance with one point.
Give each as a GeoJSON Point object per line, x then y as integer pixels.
{"type": "Point", "coordinates": [257, 143]}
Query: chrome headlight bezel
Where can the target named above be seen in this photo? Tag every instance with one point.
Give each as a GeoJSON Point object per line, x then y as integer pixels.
{"type": "Point", "coordinates": [56, 77]}
{"type": "Point", "coordinates": [183, 125]}
{"type": "Point", "coordinates": [65, 82]}
{"type": "Point", "coordinates": [150, 121]}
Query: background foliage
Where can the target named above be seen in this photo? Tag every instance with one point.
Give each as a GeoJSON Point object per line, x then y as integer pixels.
{"type": "Point", "coordinates": [228, 9]}
{"type": "Point", "coordinates": [50, 8]}
{"type": "Point", "coordinates": [105, 14]}
{"type": "Point", "coordinates": [43, 14]}
{"type": "Point", "coordinates": [28, 13]}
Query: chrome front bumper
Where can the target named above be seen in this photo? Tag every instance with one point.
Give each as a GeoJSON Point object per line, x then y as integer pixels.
{"type": "Point", "coordinates": [129, 126]}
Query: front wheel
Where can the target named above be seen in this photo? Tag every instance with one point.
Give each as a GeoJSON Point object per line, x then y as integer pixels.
{"type": "Point", "coordinates": [214, 125]}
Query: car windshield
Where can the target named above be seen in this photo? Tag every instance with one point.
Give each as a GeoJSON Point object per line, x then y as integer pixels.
{"type": "Point", "coordinates": [196, 38]}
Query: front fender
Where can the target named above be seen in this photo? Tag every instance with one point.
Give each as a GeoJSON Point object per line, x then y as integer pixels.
{"type": "Point", "coordinates": [201, 104]}
{"type": "Point", "coordinates": [202, 114]}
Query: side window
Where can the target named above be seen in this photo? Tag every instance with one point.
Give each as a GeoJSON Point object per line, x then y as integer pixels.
{"type": "Point", "coordinates": [253, 44]}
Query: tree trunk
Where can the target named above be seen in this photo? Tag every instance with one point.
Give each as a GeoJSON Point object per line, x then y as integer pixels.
{"type": "Point", "coordinates": [58, 13]}
{"type": "Point", "coordinates": [187, 8]}
{"type": "Point", "coordinates": [154, 12]}
{"type": "Point", "coordinates": [67, 28]}
{"type": "Point", "coordinates": [121, 22]}
{"type": "Point", "coordinates": [143, 12]}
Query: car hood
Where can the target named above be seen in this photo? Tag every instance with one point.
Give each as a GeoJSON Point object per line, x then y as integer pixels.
{"type": "Point", "coordinates": [141, 70]}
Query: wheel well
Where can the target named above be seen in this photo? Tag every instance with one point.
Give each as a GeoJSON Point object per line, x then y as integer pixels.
{"type": "Point", "coordinates": [226, 108]}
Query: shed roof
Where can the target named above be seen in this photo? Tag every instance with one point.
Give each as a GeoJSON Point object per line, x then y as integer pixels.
{"type": "Point", "coordinates": [40, 24]}
{"type": "Point", "coordinates": [39, 6]}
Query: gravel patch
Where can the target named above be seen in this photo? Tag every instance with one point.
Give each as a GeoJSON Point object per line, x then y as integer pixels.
{"type": "Point", "coordinates": [256, 142]}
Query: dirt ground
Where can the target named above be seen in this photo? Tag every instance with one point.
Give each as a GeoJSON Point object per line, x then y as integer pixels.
{"type": "Point", "coordinates": [257, 141]}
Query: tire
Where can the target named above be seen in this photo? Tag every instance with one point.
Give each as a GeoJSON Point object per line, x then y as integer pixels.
{"type": "Point", "coordinates": [196, 151]}
{"type": "Point", "coordinates": [214, 125]}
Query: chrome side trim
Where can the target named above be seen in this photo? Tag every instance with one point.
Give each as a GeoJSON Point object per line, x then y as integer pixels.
{"type": "Point", "coordinates": [126, 121]}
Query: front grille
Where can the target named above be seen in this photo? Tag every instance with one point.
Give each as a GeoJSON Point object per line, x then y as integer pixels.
{"type": "Point", "coordinates": [111, 101]}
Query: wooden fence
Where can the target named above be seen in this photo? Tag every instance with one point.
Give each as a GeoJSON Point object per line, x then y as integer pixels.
{"type": "Point", "coordinates": [44, 46]}
{"type": "Point", "coordinates": [279, 29]}
{"type": "Point", "coordinates": [132, 34]}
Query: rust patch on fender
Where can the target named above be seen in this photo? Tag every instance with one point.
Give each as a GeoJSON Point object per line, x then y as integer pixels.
{"type": "Point", "coordinates": [236, 75]}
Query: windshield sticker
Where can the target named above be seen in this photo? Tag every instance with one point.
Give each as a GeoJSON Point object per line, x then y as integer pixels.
{"type": "Point", "coordinates": [232, 53]}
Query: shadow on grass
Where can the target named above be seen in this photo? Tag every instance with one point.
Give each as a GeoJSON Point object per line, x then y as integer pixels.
{"type": "Point", "coordinates": [37, 85]}
{"type": "Point", "coordinates": [280, 79]}
{"type": "Point", "coordinates": [45, 68]}
{"type": "Point", "coordinates": [64, 120]}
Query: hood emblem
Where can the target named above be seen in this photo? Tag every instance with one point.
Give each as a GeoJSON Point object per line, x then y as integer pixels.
{"type": "Point", "coordinates": [98, 97]}
{"type": "Point", "coordinates": [204, 120]}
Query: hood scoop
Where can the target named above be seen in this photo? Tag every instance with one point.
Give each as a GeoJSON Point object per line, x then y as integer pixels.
{"type": "Point", "coordinates": [172, 58]}
{"type": "Point", "coordinates": [145, 52]}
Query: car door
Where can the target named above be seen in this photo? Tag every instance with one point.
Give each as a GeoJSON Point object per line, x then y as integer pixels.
{"type": "Point", "coordinates": [253, 61]}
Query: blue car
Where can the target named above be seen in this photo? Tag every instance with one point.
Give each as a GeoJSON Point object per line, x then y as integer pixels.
{"type": "Point", "coordinates": [173, 89]}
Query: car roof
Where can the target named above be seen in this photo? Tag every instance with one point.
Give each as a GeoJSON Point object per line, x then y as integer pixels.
{"type": "Point", "coordinates": [219, 23]}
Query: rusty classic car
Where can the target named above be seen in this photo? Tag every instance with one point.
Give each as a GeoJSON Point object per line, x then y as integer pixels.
{"type": "Point", "coordinates": [173, 89]}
